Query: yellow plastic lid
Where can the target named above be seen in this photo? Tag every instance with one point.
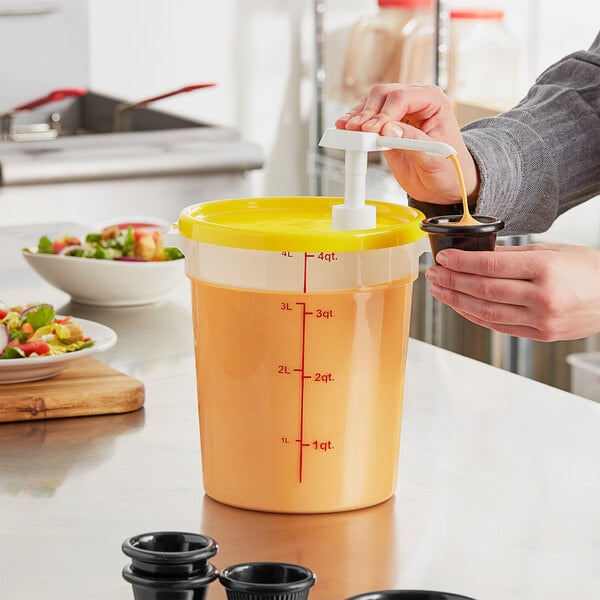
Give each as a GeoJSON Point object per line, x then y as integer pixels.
{"type": "Point", "coordinates": [295, 224]}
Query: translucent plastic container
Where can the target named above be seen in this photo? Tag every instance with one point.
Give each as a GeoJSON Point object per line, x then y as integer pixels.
{"type": "Point", "coordinates": [483, 59]}
{"type": "Point", "coordinates": [585, 374]}
{"type": "Point", "coordinates": [418, 47]}
{"type": "Point", "coordinates": [375, 46]}
{"type": "Point", "coordinates": [301, 335]}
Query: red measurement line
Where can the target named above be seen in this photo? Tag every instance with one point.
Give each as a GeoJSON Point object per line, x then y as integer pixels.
{"type": "Point", "coordinates": [302, 378]}
{"type": "Point", "coordinates": [306, 257]}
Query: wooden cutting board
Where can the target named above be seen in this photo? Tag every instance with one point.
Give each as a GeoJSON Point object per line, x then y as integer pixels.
{"type": "Point", "coordinates": [87, 387]}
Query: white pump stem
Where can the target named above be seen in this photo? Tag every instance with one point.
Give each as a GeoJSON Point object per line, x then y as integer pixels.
{"type": "Point", "coordinates": [355, 178]}
{"type": "Point", "coordinates": [355, 213]}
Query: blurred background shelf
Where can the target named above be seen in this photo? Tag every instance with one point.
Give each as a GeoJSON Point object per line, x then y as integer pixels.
{"type": "Point", "coordinates": [431, 320]}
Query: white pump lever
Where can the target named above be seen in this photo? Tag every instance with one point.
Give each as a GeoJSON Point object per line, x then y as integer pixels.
{"type": "Point", "coordinates": [354, 213]}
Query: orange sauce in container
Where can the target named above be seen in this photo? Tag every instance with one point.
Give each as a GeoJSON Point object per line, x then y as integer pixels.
{"type": "Point", "coordinates": [466, 218]}
{"type": "Point", "coordinates": [294, 427]}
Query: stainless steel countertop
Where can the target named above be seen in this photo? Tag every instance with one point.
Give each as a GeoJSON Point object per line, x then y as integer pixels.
{"type": "Point", "coordinates": [497, 496]}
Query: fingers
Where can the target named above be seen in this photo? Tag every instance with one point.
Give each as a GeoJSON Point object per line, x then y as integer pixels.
{"type": "Point", "coordinates": [483, 288]}
{"type": "Point", "coordinates": [524, 331]}
{"type": "Point", "coordinates": [394, 102]}
{"type": "Point", "coordinates": [503, 263]}
{"type": "Point", "coordinates": [365, 109]}
{"type": "Point", "coordinates": [343, 120]}
{"type": "Point", "coordinates": [477, 299]}
{"type": "Point", "coordinates": [532, 291]}
{"type": "Point", "coordinates": [503, 316]}
{"type": "Point", "coordinates": [479, 290]}
{"type": "Point", "coordinates": [504, 290]}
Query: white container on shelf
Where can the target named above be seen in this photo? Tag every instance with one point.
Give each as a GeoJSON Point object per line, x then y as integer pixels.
{"type": "Point", "coordinates": [483, 66]}
{"type": "Point", "coordinates": [585, 374]}
{"type": "Point", "coordinates": [375, 46]}
{"type": "Point", "coordinates": [418, 50]}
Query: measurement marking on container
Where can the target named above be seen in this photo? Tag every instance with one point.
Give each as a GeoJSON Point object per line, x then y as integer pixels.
{"type": "Point", "coordinates": [304, 376]}
{"type": "Point", "coordinates": [322, 377]}
{"type": "Point", "coordinates": [323, 446]}
{"type": "Point", "coordinates": [300, 439]}
{"type": "Point", "coordinates": [327, 256]}
{"type": "Point", "coordinates": [306, 257]}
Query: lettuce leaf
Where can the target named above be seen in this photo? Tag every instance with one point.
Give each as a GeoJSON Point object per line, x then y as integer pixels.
{"type": "Point", "coordinates": [41, 316]}
{"type": "Point", "coordinates": [11, 352]}
{"type": "Point", "coordinates": [45, 246]}
{"type": "Point", "coordinates": [172, 253]}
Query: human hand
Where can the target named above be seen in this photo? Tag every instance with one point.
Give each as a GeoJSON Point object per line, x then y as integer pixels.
{"type": "Point", "coordinates": [423, 113]}
{"type": "Point", "coordinates": [545, 292]}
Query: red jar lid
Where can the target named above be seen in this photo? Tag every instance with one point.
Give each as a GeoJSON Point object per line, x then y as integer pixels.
{"type": "Point", "coordinates": [477, 13]}
{"type": "Point", "coordinates": [405, 3]}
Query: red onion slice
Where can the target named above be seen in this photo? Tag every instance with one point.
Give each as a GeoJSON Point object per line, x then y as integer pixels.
{"type": "Point", "coordinates": [134, 226]}
{"type": "Point", "coordinates": [70, 248]}
{"type": "Point", "coordinates": [34, 307]}
{"type": "Point", "coordinates": [130, 259]}
{"type": "Point", "coordinates": [4, 337]}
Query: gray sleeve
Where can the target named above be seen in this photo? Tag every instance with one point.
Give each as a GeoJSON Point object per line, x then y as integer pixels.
{"type": "Point", "coordinates": [542, 157]}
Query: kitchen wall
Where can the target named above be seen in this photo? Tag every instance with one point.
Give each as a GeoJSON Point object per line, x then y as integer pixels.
{"type": "Point", "coordinates": [251, 49]}
{"type": "Point", "coordinates": [44, 45]}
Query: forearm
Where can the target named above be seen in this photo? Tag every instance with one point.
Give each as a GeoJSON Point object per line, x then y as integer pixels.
{"type": "Point", "coordinates": [542, 157]}
{"type": "Point", "coordinates": [518, 174]}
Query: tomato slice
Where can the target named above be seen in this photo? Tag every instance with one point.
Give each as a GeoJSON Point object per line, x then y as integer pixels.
{"type": "Point", "coordinates": [63, 241]}
{"type": "Point", "coordinates": [58, 246]}
{"type": "Point", "coordinates": [38, 346]}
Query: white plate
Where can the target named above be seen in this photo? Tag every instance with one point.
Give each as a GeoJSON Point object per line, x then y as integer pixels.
{"type": "Point", "coordinates": [19, 370]}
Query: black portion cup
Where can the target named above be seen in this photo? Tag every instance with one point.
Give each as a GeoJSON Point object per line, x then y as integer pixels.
{"type": "Point", "coordinates": [408, 595]}
{"type": "Point", "coordinates": [267, 581]}
{"type": "Point", "coordinates": [442, 235]}
{"type": "Point", "coordinates": [170, 588]}
{"type": "Point", "coordinates": [170, 553]}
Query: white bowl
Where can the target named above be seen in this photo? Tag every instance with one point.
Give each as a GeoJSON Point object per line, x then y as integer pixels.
{"type": "Point", "coordinates": [107, 282]}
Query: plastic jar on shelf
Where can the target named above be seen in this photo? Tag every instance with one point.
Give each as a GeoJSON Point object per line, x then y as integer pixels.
{"type": "Point", "coordinates": [418, 50]}
{"type": "Point", "coordinates": [483, 59]}
{"type": "Point", "coordinates": [375, 46]}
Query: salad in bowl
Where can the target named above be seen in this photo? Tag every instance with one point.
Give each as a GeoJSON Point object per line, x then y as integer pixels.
{"type": "Point", "coordinates": [126, 242]}
{"type": "Point", "coordinates": [124, 264]}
